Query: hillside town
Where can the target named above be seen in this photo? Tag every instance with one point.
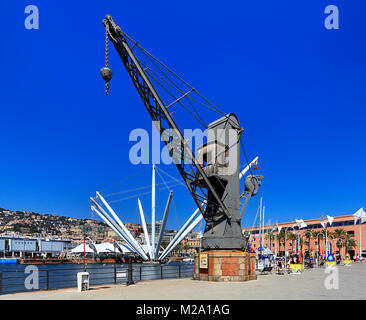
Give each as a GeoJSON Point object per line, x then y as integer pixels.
{"type": "Point", "coordinates": [29, 224]}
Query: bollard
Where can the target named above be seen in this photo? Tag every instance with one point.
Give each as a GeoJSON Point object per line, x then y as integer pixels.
{"type": "Point", "coordinates": [130, 275]}
{"type": "Point", "coordinates": [140, 273]}
{"type": "Point", "coordinates": [161, 272]}
{"type": "Point", "coordinates": [83, 281]}
{"type": "Point", "coordinates": [179, 271]}
{"type": "Point", "coordinates": [115, 273]}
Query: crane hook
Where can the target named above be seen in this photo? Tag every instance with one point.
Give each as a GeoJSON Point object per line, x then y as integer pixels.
{"type": "Point", "coordinates": [107, 76]}
{"type": "Point", "coordinates": [106, 72]}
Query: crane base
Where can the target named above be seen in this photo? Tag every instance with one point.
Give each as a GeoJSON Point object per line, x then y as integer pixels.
{"type": "Point", "coordinates": [224, 265]}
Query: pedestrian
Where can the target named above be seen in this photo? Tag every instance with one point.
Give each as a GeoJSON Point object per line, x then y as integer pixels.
{"type": "Point", "coordinates": [279, 264]}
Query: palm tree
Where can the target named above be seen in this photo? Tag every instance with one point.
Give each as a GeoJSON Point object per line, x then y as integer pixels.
{"type": "Point", "coordinates": [178, 248]}
{"type": "Point", "coordinates": [164, 244]}
{"type": "Point", "coordinates": [308, 234]}
{"type": "Point", "coordinates": [323, 234]}
{"type": "Point", "coordinates": [339, 234]}
{"type": "Point", "coordinates": [271, 238]}
{"type": "Point", "coordinates": [332, 236]}
{"type": "Point", "coordinates": [292, 237]}
{"type": "Point", "coordinates": [350, 241]}
{"type": "Point", "coordinates": [186, 247]}
{"type": "Point", "coordinates": [280, 238]}
{"type": "Point", "coordinates": [301, 243]}
{"type": "Point", "coordinates": [317, 235]}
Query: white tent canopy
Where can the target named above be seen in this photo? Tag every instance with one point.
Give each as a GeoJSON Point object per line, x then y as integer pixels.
{"type": "Point", "coordinates": [326, 220]}
{"type": "Point", "coordinates": [80, 249]}
{"type": "Point", "coordinates": [360, 214]}
{"type": "Point", "coordinates": [300, 223]}
{"type": "Point", "coordinates": [106, 247]}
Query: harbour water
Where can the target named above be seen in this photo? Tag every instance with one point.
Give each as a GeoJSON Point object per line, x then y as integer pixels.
{"type": "Point", "coordinates": [23, 278]}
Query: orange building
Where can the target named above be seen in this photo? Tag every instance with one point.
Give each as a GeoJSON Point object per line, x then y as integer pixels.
{"type": "Point", "coordinates": [190, 245]}
{"type": "Point", "coordinates": [310, 245]}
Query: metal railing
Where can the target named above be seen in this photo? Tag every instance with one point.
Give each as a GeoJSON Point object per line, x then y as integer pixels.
{"type": "Point", "coordinates": [14, 281]}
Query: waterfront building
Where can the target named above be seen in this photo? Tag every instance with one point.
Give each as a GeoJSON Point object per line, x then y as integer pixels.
{"type": "Point", "coordinates": [17, 246]}
{"type": "Point", "coordinates": [310, 245]}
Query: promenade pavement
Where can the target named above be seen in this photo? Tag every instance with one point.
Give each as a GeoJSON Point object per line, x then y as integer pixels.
{"type": "Point", "coordinates": [312, 284]}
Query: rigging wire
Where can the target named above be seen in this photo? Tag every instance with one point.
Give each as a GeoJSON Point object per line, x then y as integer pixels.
{"type": "Point", "coordinates": [162, 178]}
{"type": "Point", "coordinates": [134, 189]}
{"type": "Point", "coordinates": [245, 154]}
{"type": "Point", "coordinates": [144, 193]}
{"type": "Point", "coordinates": [124, 179]}
{"type": "Point", "coordinates": [144, 51]}
{"type": "Point", "coordinates": [160, 66]}
{"type": "Point", "coordinates": [198, 118]}
{"type": "Point", "coordinates": [170, 176]}
{"type": "Point", "coordinates": [174, 85]}
{"type": "Point", "coordinates": [189, 98]}
{"type": "Point", "coordinates": [175, 214]}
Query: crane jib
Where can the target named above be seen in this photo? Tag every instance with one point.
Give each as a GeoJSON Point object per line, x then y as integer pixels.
{"type": "Point", "coordinates": [159, 112]}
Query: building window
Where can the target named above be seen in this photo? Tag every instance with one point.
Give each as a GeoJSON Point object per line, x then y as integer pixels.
{"type": "Point", "coordinates": [351, 233]}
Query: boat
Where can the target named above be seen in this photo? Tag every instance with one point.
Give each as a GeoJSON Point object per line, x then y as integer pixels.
{"type": "Point", "coordinates": [8, 260]}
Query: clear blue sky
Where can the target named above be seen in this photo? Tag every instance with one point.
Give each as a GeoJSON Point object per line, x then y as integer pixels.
{"type": "Point", "coordinates": [297, 88]}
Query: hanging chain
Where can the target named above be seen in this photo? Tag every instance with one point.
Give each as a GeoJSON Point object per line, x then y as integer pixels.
{"type": "Point", "coordinates": [106, 59]}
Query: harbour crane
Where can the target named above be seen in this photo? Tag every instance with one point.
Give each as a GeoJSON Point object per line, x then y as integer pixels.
{"type": "Point", "coordinates": [214, 188]}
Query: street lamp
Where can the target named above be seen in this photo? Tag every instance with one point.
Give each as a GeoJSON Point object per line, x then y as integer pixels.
{"type": "Point", "coordinates": [286, 228]}
{"type": "Point", "coordinates": [324, 222]}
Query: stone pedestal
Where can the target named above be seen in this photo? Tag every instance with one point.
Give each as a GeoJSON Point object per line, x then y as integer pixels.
{"type": "Point", "coordinates": [224, 265]}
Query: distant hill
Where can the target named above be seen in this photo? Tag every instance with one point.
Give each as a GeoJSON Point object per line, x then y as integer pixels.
{"type": "Point", "coordinates": [34, 224]}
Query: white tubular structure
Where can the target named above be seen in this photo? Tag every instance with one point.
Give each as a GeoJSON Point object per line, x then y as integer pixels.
{"type": "Point", "coordinates": [124, 230]}
{"type": "Point", "coordinates": [184, 234]}
{"type": "Point", "coordinates": [119, 232]}
{"type": "Point", "coordinates": [263, 236]}
{"type": "Point", "coordinates": [174, 242]}
{"type": "Point", "coordinates": [178, 237]}
{"type": "Point", "coordinates": [162, 228]}
{"type": "Point", "coordinates": [153, 214]}
{"type": "Point", "coordinates": [254, 162]}
{"type": "Point", "coordinates": [144, 227]}
{"type": "Point", "coordinates": [106, 218]}
{"type": "Point", "coordinates": [133, 244]}
{"type": "Point", "coordinates": [119, 222]}
{"type": "Point", "coordinates": [111, 225]}
{"type": "Point", "coordinates": [260, 223]}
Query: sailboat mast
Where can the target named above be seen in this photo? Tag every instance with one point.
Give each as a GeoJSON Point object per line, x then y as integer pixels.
{"type": "Point", "coordinates": [260, 223]}
{"type": "Point", "coordinates": [263, 234]}
{"type": "Point", "coordinates": [153, 213]}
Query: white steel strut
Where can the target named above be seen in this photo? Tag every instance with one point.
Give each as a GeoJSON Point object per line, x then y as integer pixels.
{"type": "Point", "coordinates": [119, 233]}
{"type": "Point", "coordinates": [122, 229]}
{"type": "Point", "coordinates": [144, 227]}
{"type": "Point", "coordinates": [174, 242]}
{"type": "Point", "coordinates": [245, 170]}
{"type": "Point", "coordinates": [119, 222]}
{"type": "Point", "coordinates": [184, 234]}
{"type": "Point", "coordinates": [153, 213]}
{"type": "Point", "coordinates": [178, 237]}
{"type": "Point", "coordinates": [162, 228]}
